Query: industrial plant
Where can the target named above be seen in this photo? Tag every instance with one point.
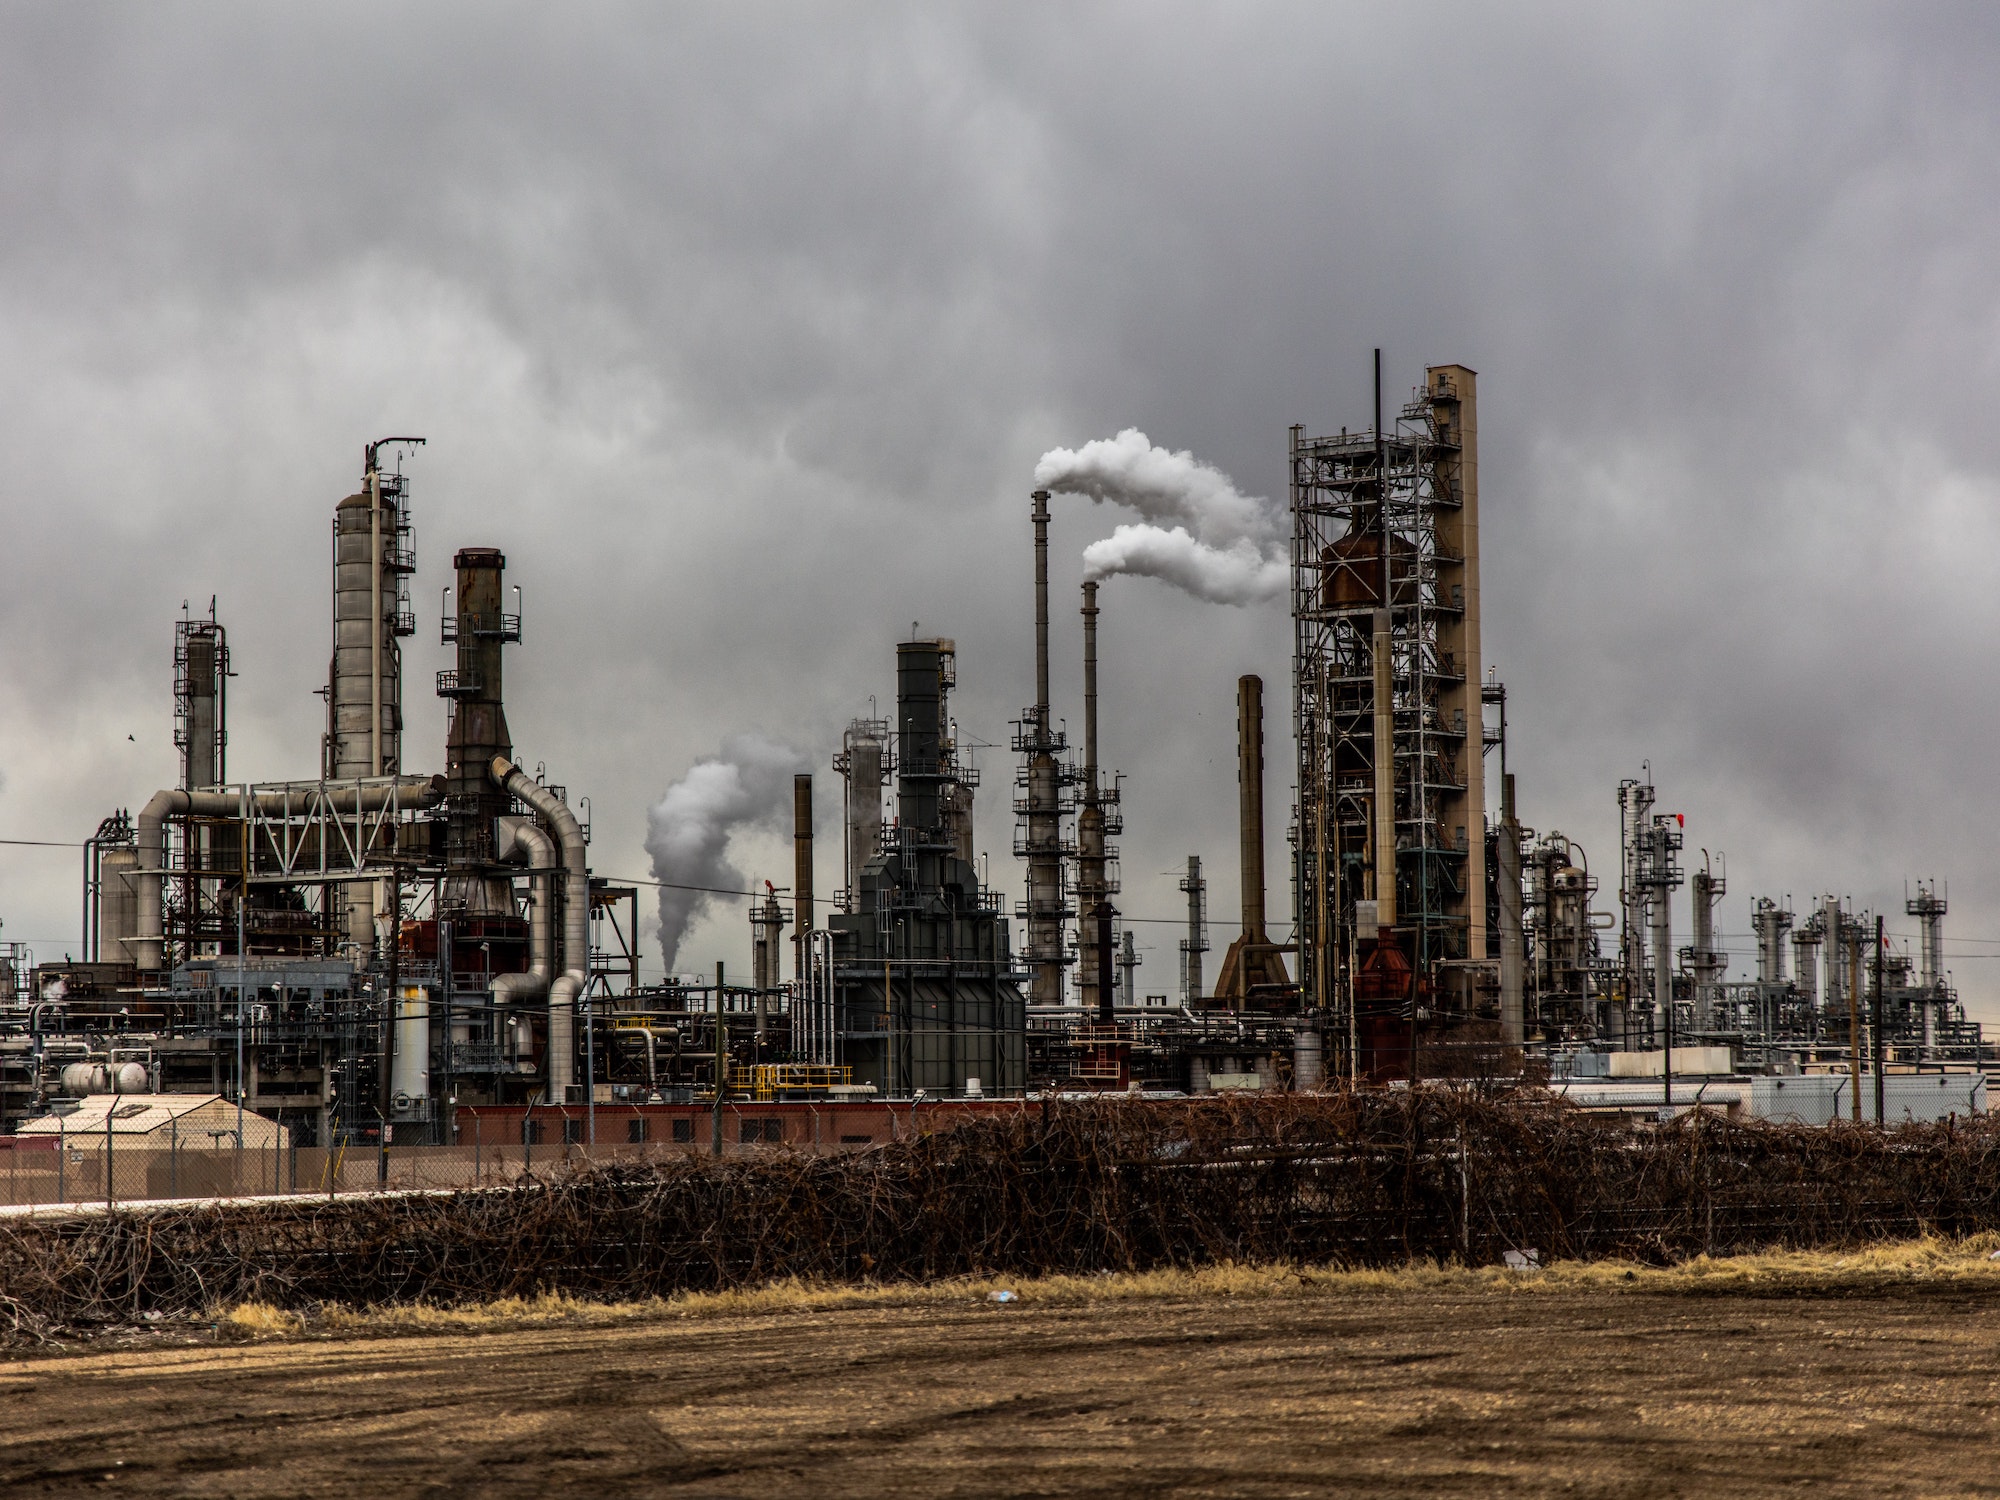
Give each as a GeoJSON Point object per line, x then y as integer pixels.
{"type": "Point", "coordinates": [365, 955]}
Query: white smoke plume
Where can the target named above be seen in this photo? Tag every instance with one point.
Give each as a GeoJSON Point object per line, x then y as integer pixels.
{"type": "Point", "coordinates": [1238, 574]}
{"type": "Point", "coordinates": [746, 785]}
{"type": "Point", "coordinates": [1203, 535]}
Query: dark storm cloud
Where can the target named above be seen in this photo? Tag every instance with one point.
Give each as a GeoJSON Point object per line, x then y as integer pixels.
{"type": "Point", "coordinates": [741, 330]}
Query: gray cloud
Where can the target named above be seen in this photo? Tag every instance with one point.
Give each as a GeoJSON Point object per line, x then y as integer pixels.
{"type": "Point", "coordinates": [742, 329]}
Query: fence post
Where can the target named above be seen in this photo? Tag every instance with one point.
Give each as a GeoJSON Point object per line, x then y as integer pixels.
{"type": "Point", "coordinates": [1708, 1194]}
{"type": "Point", "coordinates": [1464, 1198]}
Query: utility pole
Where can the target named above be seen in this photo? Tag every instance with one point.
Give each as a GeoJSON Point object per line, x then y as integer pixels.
{"type": "Point", "coordinates": [1853, 930]}
{"type": "Point", "coordinates": [721, 1060]}
{"type": "Point", "coordinates": [1877, 1048]}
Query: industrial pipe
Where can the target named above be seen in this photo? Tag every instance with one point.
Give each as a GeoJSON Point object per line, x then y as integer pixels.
{"type": "Point", "coordinates": [275, 799]}
{"type": "Point", "coordinates": [575, 975]}
{"type": "Point", "coordinates": [1385, 776]}
{"type": "Point", "coordinates": [518, 835]}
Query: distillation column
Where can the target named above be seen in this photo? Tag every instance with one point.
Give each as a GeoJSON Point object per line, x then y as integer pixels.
{"type": "Point", "coordinates": [1929, 908]}
{"type": "Point", "coordinates": [1042, 806]}
{"type": "Point", "coordinates": [1513, 1019]}
{"type": "Point", "coordinates": [1635, 805]}
{"type": "Point", "coordinates": [1091, 891]}
{"type": "Point", "coordinates": [371, 615]}
{"type": "Point", "coordinates": [1805, 963]}
{"type": "Point", "coordinates": [1770, 922]}
{"type": "Point", "coordinates": [1196, 942]}
{"type": "Point", "coordinates": [1705, 964]}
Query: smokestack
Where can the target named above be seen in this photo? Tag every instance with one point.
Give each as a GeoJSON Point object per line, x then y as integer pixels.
{"type": "Point", "coordinates": [1385, 774]}
{"type": "Point", "coordinates": [480, 627]}
{"type": "Point", "coordinates": [802, 877]}
{"type": "Point", "coordinates": [1250, 801]}
{"type": "Point", "coordinates": [1041, 519]}
{"type": "Point", "coordinates": [1090, 689]}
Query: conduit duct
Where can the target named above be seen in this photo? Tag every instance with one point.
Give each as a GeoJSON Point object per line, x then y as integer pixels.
{"type": "Point", "coordinates": [575, 975]}
{"type": "Point", "coordinates": [514, 836]}
{"type": "Point", "coordinates": [273, 799]}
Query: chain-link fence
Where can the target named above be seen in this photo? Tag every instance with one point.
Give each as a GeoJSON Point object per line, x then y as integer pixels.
{"type": "Point", "coordinates": [496, 1148]}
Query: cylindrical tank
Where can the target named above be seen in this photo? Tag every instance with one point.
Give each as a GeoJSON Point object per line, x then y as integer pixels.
{"type": "Point", "coordinates": [410, 1079]}
{"type": "Point", "coordinates": [1805, 955]}
{"type": "Point", "coordinates": [365, 681]}
{"type": "Point", "coordinates": [366, 551]}
{"type": "Point", "coordinates": [1351, 570]}
{"type": "Point", "coordinates": [102, 1078]}
{"type": "Point", "coordinates": [117, 904]}
{"type": "Point", "coordinates": [1306, 1061]}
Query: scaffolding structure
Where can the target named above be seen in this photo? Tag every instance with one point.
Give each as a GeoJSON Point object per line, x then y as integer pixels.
{"type": "Point", "coordinates": [1385, 522]}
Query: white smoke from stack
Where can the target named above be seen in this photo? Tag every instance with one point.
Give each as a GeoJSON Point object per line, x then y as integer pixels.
{"type": "Point", "coordinates": [747, 785]}
{"type": "Point", "coordinates": [1202, 534]}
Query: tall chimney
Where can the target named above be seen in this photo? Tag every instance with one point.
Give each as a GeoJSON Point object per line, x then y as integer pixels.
{"type": "Point", "coordinates": [479, 627]}
{"type": "Point", "coordinates": [1250, 801]}
{"type": "Point", "coordinates": [802, 877]}
{"type": "Point", "coordinates": [1089, 613]}
{"type": "Point", "coordinates": [1041, 520]}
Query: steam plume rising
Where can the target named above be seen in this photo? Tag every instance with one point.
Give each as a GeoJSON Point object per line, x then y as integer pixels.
{"type": "Point", "coordinates": [1202, 534]}
{"type": "Point", "coordinates": [749, 783]}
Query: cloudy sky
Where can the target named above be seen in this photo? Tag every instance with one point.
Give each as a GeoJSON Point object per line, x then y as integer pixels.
{"type": "Point", "coordinates": [740, 329]}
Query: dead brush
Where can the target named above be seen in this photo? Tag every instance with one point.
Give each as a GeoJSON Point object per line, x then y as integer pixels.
{"type": "Point", "coordinates": [1351, 1182]}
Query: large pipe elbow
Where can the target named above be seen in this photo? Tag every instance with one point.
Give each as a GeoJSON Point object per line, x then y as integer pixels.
{"type": "Point", "coordinates": [563, 995]}
{"type": "Point", "coordinates": [561, 822]}
{"type": "Point", "coordinates": [150, 939]}
{"type": "Point", "coordinates": [575, 976]}
{"type": "Point", "coordinates": [519, 989]}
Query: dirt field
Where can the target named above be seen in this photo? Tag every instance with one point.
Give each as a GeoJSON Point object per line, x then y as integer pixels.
{"type": "Point", "coordinates": [1878, 1386]}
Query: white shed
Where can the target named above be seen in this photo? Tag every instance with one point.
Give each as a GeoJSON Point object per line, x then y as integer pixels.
{"type": "Point", "coordinates": [161, 1122]}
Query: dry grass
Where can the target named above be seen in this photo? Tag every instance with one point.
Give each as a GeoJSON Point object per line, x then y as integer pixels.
{"type": "Point", "coordinates": [1975, 1259]}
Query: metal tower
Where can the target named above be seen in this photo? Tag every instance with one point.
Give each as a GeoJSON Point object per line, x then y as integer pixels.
{"type": "Point", "coordinates": [1385, 523]}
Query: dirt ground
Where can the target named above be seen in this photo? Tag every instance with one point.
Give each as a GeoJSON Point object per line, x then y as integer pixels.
{"type": "Point", "coordinates": [1883, 1389]}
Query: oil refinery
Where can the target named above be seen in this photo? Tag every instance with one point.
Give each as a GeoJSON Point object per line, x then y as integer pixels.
{"type": "Point", "coordinates": [361, 956]}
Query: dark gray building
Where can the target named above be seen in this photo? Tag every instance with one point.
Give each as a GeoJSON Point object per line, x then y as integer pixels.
{"type": "Point", "coordinates": [926, 990]}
